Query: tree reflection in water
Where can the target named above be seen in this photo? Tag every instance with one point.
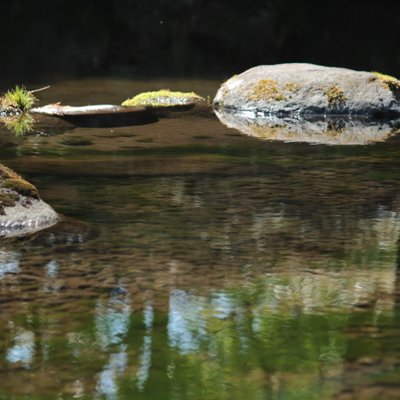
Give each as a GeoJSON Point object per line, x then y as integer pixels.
{"type": "Point", "coordinates": [268, 298]}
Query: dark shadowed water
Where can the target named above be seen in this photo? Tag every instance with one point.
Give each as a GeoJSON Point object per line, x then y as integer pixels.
{"type": "Point", "coordinates": [196, 262]}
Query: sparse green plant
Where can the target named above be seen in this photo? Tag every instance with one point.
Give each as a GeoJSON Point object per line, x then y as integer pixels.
{"type": "Point", "coordinates": [19, 98]}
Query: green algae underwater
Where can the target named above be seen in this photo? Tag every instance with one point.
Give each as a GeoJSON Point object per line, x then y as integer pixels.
{"type": "Point", "coordinates": [195, 262]}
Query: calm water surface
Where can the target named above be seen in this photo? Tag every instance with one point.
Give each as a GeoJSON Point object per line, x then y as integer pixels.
{"type": "Point", "coordinates": [196, 262]}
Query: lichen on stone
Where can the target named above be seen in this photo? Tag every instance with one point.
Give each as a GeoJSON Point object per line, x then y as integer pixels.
{"type": "Point", "coordinates": [266, 89]}
{"type": "Point", "coordinates": [292, 87]}
{"type": "Point", "coordinates": [163, 98]}
{"type": "Point", "coordinates": [336, 97]}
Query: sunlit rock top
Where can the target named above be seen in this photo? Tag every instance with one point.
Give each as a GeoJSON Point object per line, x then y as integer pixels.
{"type": "Point", "coordinates": [297, 89]}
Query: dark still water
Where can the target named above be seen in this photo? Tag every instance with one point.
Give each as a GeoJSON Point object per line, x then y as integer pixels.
{"type": "Point", "coordinates": [196, 262]}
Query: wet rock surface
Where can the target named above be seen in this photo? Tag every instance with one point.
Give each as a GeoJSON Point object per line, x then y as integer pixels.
{"type": "Point", "coordinates": [22, 212]}
{"type": "Point", "coordinates": [301, 89]}
{"type": "Point", "coordinates": [9, 112]}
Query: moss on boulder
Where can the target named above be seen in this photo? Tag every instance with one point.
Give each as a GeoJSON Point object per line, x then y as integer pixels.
{"type": "Point", "coordinates": [306, 89]}
{"type": "Point", "coordinates": [163, 98]}
{"type": "Point", "coordinates": [11, 180]}
{"type": "Point", "coordinates": [22, 212]}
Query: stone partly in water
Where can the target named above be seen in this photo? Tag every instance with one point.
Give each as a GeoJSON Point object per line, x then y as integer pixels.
{"type": "Point", "coordinates": [164, 98]}
{"type": "Point", "coordinates": [22, 212]}
{"type": "Point", "coordinates": [320, 130]}
{"type": "Point", "coordinates": [98, 115]}
{"type": "Point", "coordinates": [304, 89]}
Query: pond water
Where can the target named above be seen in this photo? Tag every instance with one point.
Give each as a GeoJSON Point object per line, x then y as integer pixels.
{"type": "Point", "coordinates": [197, 262]}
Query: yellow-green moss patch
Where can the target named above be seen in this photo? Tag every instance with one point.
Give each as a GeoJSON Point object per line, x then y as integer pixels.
{"type": "Point", "coordinates": [266, 89]}
{"type": "Point", "coordinates": [12, 186]}
{"type": "Point", "coordinates": [163, 98]}
{"type": "Point", "coordinates": [20, 186]}
{"type": "Point", "coordinates": [335, 96]}
{"type": "Point", "coordinates": [7, 173]}
{"type": "Point", "coordinates": [388, 82]}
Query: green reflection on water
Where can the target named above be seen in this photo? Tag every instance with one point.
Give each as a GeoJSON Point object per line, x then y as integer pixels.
{"type": "Point", "coordinates": [224, 346]}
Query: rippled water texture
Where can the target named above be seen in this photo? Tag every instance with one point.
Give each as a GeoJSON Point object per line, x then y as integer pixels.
{"type": "Point", "coordinates": [197, 262]}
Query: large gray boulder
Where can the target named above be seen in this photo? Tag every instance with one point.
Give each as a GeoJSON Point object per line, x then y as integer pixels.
{"type": "Point", "coordinates": [22, 212]}
{"type": "Point", "coordinates": [305, 89]}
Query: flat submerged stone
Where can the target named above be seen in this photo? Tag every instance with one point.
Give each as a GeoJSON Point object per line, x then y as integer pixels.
{"type": "Point", "coordinates": [306, 89]}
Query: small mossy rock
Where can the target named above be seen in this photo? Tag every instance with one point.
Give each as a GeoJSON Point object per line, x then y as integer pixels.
{"type": "Point", "coordinates": [164, 98]}
{"type": "Point", "coordinates": [298, 89]}
{"type": "Point", "coordinates": [334, 130]}
{"type": "Point", "coordinates": [22, 212]}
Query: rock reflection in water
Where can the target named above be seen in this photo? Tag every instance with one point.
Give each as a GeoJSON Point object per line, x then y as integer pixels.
{"type": "Point", "coordinates": [23, 349]}
{"type": "Point", "coordinates": [329, 130]}
{"type": "Point", "coordinates": [9, 263]}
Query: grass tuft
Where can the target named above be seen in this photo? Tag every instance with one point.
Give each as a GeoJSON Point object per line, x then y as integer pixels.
{"type": "Point", "coordinates": [19, 98]}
